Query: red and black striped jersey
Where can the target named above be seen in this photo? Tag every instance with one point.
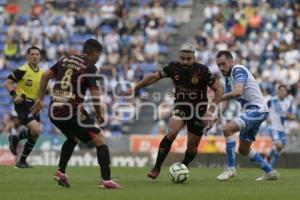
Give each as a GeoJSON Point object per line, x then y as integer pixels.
{"type": "Point", "coordinates": [73, 76]}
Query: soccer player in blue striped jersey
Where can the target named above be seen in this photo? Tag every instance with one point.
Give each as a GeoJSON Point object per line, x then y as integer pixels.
{"type": "Point", "coordinates": [280, 110]}
{"type": "Point", "coordinates": [241, 85]}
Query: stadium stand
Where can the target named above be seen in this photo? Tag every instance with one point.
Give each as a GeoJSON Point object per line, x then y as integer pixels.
{"type": "Point", "coordinates": [265, 37]}
{"type": "Point", "coordinates": [135, 34]}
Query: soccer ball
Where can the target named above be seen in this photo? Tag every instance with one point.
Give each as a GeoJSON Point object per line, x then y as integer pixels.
{"type": "Point", "coordinates": [178, 173]}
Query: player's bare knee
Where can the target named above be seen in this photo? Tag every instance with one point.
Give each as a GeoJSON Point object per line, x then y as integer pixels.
{"type": "Point", "coordinates": [244, 151]}
{"type": "Point", "coordinates": [35, 131]}
{"type": "Point", "coordinates": [227, 132]}
{"type": "Point", "coordinates": [172, 134]}
{"type": "Point", "coordinates": [98, 141]}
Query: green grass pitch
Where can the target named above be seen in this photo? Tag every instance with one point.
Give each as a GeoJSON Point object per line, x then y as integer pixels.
{"type": "Point", "coordinates": [38, 184]}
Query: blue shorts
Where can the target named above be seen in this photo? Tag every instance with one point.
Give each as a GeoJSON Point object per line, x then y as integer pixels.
{"type": "Point", "coordinates": [278, 137]}
{"type": "Point", "coordinates": [249, 124]}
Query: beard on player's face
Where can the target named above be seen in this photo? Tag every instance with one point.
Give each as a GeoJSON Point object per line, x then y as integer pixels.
{"type": "Point", "coordinates": [186, 59]}
{"type": "Point", "coordinates": [225, 72]}
{"type": "Point", "coordinates": [224, 66]}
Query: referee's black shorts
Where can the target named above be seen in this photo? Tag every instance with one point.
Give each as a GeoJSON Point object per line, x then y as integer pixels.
{"type": "Point", "coordinates": [24, 112]}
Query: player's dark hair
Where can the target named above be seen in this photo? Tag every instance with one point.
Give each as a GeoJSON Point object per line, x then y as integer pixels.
{"type": "Point", "coordinates": [282, 86]}
{"type": "Point", "coordinates": [225, 53]}
{"type": "Point", "coordinates": [92, 45]}
{"type": "Point", "coordinates": [33, 48]}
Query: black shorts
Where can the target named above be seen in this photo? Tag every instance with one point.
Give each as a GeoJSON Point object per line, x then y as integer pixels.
{"type": "Point", "coordinates": [191, 116]}
{"type": "Point", "coordinates": [24, 112]}
{"type": "Point", "coordinates": [71, 128]}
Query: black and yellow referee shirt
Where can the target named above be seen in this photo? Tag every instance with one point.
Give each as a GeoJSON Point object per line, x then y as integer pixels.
{"type": "Point", "coordinates": [27, 80]}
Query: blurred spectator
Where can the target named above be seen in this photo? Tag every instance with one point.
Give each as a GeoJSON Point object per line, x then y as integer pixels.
{"type": "Point", "coordinates": [10, 49]}
{"type": "Point", "coordinates": [133, 43]}
{"type": "Point", "coordinates": [12, 9]}
{"type": "Point", "coordinates": [152, 49]}
{"type": "Point", "coordinates": [6, 124]}
{"type": "Point", "coordinates": [160, 128]}
{"type": "Point", "coordinates": [255, 22]}
{"type": "Point", "coordinates": [2, 16]}
{"type": "Point", "coordinates": [262, 35]}
{"type": "Point", "coordinates": [238, 31]}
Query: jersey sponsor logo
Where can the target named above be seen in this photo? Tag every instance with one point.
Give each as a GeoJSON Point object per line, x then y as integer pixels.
{"type": "Point", "coordinates": [194, 80]}
{"type": "Point", "coordinates": [176, 111]}
{"type": "Point", "coordinates": [28, 82]}
{"type": "Point", "coordinates": [62, 95]}
{"type": "Point", "coordinates": [162, 72]}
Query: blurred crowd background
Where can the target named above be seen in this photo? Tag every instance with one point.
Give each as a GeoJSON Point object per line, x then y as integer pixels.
{"type": "Point", "coordinates": [265, 37]}
{"type": "Point", "coordinates": [263, 34]}
{"type": "Point", "coordinates": [135, 35]}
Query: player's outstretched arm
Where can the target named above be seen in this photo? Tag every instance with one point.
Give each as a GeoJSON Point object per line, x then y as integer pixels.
{"type": "Point", "coordinates": [209, 116]}
{"type": "Point", "coordinates": [148, 80]}
{"type": "Point", "coordinates": [95, 94]}
{"type": "Point", "coordinates": [235, 93]}
{"type": "Point", "coordinates": [38, 105]}
{"type": "Point", "coordinates": [217, 87]}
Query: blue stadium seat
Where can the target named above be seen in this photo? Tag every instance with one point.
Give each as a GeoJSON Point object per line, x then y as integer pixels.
{"type": "Point", "coordinates": [4, 29]}
{"type": "Point", "coordinates": [2, 90]}
{"type": "Point", "coordinates": [57, 20]}
{"type": "Point", "coordinates": [22, 18]}
{"type": "Point", "coordinates": [2, 81]}
{"type": "Point", "coordinates": [101, 2]}
{"type": "Point", "coordinates": [163, 49]}
{"type": "Point", "coordinates": [1, 47]}
{"type": "Point", "coordinates": [4, 73]}
{"type": "Point", "coordinates": [88, 36]}
{"type": "Point", "coordinates": [5, 98]}
{"type": "Point", "coordinates": [2, 38]}
{"type": "Point", "coordinates": [116, 133]}
{"type": "Point", "coordinates": [77, 39]}
{"type": "Point", "coordinates": [12, 65]}
{"type": "Point", "coordinates": [3, 2]}
{"type": "Point", "coordinates": [106, 29]}
{"type": "Point", "coordinates": [148, 67]}
{"type": "Point", "coordinates": [182, 2]}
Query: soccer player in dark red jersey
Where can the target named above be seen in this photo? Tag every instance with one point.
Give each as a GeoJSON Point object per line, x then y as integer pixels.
{"type": "Point", "coordinates": [191, 80]}
{"type": "Point", "coordinates": [74, 75]}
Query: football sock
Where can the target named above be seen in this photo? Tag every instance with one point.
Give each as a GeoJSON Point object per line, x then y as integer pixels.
{"type": "Point", "coordinates": [230, 151]}
{"type": "Point", "coordinates": [259, 161]}
{"type": "Point", "coordinates": [25, 133]}
{"type": "Point", "coordinates": [104, 161]}
{"type": "Point", "coordinates": [163, 150]}
{"type": "Point", "coordinates": [65, 154]}
{"type": "Point", "coordinates": [274, 155]}
{"type": "Point", "coordinates": [189, 157]}
{"type": "Point", "coordinates": [27, 149]}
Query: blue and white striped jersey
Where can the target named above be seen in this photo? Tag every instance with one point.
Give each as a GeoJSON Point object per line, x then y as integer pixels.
{"type": "Point", "coordinates": [278, 112]}
{"type": "Point", "coordinates": [252, 96]}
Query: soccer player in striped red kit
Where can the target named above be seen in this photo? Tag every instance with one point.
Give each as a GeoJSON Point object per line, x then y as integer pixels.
{"type": "Point", "coordinates": [74, 75]}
